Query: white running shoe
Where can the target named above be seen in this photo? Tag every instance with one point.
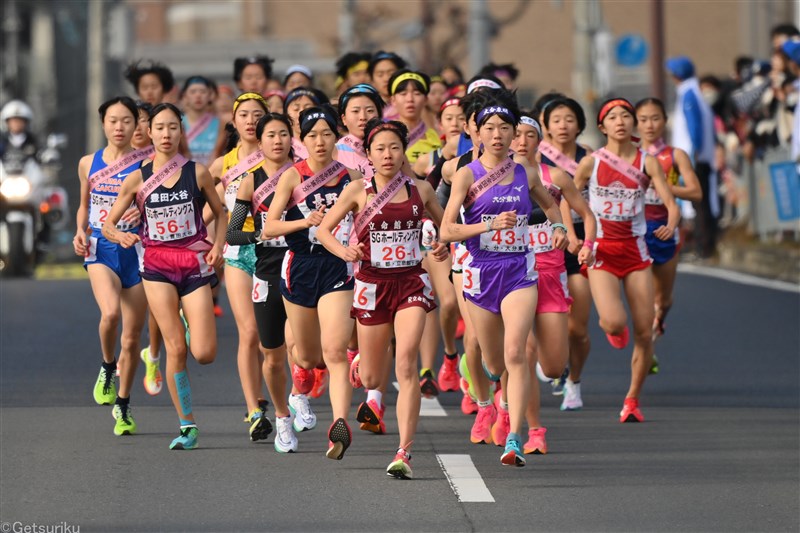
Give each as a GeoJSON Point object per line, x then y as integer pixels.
{"type": "Point", "coordinates": [285, 439]}
{"type": "Point", "coordinates": [572, 397]}
{"type": "Point", "coordinates": [540, 374]}
{"type": "Point", "coordinates": [304, 417]}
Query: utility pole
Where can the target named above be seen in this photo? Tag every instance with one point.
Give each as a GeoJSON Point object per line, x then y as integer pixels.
{"type": "Point", "coordinates": [426, 63]}
{"type": "Point", "coordinates": [478, 35]}
{"type": "Point", "coordinates": [657, 27]}
{"type": "Point", "coordinates": [96, 73]}
{"type": "Point", "coordinates": [347, 41]}
{"type": "Point", "coordinates": [12, 25]}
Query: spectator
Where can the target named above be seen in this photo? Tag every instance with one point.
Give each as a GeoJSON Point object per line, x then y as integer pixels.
{"type": "Point", "coordinates": [792, 51]}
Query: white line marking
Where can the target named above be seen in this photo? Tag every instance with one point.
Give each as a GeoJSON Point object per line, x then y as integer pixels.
{"type": "Point", "coordinates": [464, 478]}
{"type": "Point", "coordinates": [428, 407]}
{"type": "Point", "coordinates": [738, 277]}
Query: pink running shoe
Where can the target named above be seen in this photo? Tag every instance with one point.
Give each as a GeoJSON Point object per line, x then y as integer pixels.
{"type": "Point", "coordinates": [630, 411]}
{"type": "Point", "coordinates": [468, 405]}
{"type": "Point", "coordinates": [355, 377]}
{"type": "Point", "coordinates": [536, 442]}
{"type": "Point", "coordinates": [303, 379]}
{"type": "Point", "coordinates": [619, 341]}
{"type": "Point", "coordinates": [448, 374]}
{"type": "Point", "coordinates": [482, 428]}
{"type": "Point", "coordinates": [321, 378]}
{"type": "Point", "coordinates": [351, 354]}
{"type": "Point", "coordinates": [501, 427]}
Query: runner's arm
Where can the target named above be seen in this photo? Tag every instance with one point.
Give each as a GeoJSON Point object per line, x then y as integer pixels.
{"type": "Point", "coordinates": [79, 242]}
{"type": "Point", "coordinates": [241, 209]}
{"type": "Point", "coordinates": [275, 227]}
{"type": "Point", "coordinates": [690, 190]}
{"type": "Point", "coordinates": [206, 184]}
{"type": "Point", "coordinates": [126, 195]}
{"type": "Point", "coordinates": [350, 200]}
{"type": "Point", "coordinates": [656, 174]}
{"type": "Point", "coordinates": [548, 205]}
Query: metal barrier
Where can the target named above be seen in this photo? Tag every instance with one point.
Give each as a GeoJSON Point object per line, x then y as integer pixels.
{"type": "Point", "coordinates": [773, 185]}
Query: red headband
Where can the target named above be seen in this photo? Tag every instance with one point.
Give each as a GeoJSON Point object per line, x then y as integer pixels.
{"type": "Point", "coordinates": [450, 102]}
{"type": "Point", "coordinates": [617, 102]}
{"type": "Point", "coordinates": [386, 126]}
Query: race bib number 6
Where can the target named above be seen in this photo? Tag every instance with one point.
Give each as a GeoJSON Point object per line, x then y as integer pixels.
{"type": "Point", "coordinates": [364, 295]}
{"type": "Point", "coordinates": [260, 290]}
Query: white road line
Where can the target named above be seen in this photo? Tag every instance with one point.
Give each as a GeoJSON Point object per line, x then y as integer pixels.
{"type": "Point", "coordinates": [464, 478]}
{"type": "Point", "coordinates": [738, 277]}
{"type": "Point", "coordinates": [430, 407]}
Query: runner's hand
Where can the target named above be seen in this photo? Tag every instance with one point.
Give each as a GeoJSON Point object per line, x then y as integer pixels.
{"type": "Point", "coordinates": [127, 239]}
{"type": "Point", "coordinates": [664, 233]}
{"type": "Point", "coordinates": [315, 218]}
{"type": "Point", "coordinates": [559, 239]}
{"type": "Point", "coordinates": [214, 257]}
{"type": "Point", "coordinates": [354, 253]}
{"type": "Point", "coordinates": [505, 220]}
{"type": "Point", "coordinates": [132, 216]}
{"type": "Point", "coordinates": [574, 246]}
{"type": "Point", "coordinates": [80, 243]}
{"type": "Point", "coordinates": [586, 256]}
{"type": "Point", "coordinates": [440, 251]}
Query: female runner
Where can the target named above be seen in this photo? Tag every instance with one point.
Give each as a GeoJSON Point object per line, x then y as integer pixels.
{"type": "Point", "coordinates": [382, 66]}
{"type": "Point", "coordinates": [618, 176]}
{"type": "Point", "coordinates": [178, 261]}
{"type": "Point", "coordinates": [652, 118]}
{"type": "Point", "coordinates": [500, 278]}
{"type": "Point", "coordinates": [409, 92]}
{"type": "Point", "coordinates": [393, 293]}
{"type": "Point", "coordinates": [317, 286]}
{"type": "Point", "coordinates": [296, 101]}
{"type": "Point", "coordinates": [202, 126]}
{"type": "Point", "coordinates": [113, 270]}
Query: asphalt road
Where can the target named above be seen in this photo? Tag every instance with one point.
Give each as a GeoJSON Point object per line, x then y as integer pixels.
{"type": "Point", "coordinates": [720, 450]}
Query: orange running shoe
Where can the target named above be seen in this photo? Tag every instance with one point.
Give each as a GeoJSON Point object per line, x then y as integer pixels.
{"type": "Point", "coordinates": [619, 341]}
{"type": "Point", "coordinates": [536, 442]}
{"type": "Point", "coordinates": [321, 378]}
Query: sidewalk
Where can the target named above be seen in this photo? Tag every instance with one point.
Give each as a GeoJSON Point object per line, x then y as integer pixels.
{"type": "Point", "coordinates": [740, 252]}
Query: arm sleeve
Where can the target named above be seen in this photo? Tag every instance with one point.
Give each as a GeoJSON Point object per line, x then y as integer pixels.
{"type": "Point", "coordinates": [443, 192]}
{"type": "Point", "coordinates": [694, 120]}
{"type": "Point", "coordinates": [235, 236]}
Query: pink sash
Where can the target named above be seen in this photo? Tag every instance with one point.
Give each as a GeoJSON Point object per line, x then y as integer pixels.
{"type": "Point", "coordinates": [623, 167]}
{"type": "Point", "coordinates": [380, 200]}
{"type": "Point", "coordinates": [199, 127]}
{"type": "Point", "coordinates": [172, 167]}
{"type": "Point", "coordinates": [496, 175]}
{"type": "Point", "coordinates": [313, 183]}
{"type": "Point", "coordinates": [556, 156]}
{"type": "Point", "coordinates": [242, 167]}
{"type": "Point", "coordinates": [355, 143]}
{"type": "Point", "coordinates": [417, 134]}
{"type": "Point", "coordinates": [269, 185]}
{"type": "Point", "coordinates": [657, 147]}
{"type": "Point", "coordinates": [120, 164]}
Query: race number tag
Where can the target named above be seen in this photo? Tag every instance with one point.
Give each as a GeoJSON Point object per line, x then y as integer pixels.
{"type": "Point", "coordinates": [616, 204]}
{"type": "Point", "coordinates": [651, 197]}
{"type": "Point", "coordinates": [99, 209]}
{"type": "Point", "coordinates": [364, 295]}
{"type": "Point", "coordinates": [530, 267]}
{"type": "Point", "coordinates": [260, 290]}
{"type": "Point", "coordinates": [460, 257]}
{"type": "Point", "coordinates": [171, 222]}
{"type": "Point", "coordinates": [275, 242]}
{"type": "Point", "coordinates": [394, 249]}
{"type": "Point", "coordinates": [541, 237]}
{"type": "Point", "coordinates": [471, 283]}
{"type": "Point", "coordinates": [505, 240]}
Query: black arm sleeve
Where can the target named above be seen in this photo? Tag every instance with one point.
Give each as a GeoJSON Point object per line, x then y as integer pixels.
{"type": "Point", "coordinates": [443, 192]}
{"type": "Point", "coordinates": [235, 236]}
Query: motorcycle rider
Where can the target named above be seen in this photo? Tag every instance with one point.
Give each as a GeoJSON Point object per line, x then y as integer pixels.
{"type": "Point", "coordinates": [17, 143]}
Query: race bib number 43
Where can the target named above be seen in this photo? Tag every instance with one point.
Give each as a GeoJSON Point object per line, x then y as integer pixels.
{"type": "Point", "coordinates": [394, 249]}
{"type": "Point", "coordinates": [171, 222]}
{"type": "Point", "coordinates": [505, 240]}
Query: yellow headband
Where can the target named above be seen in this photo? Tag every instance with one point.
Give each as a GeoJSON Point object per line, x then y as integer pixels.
{"type": "Point", "coordinates": [361, 65]}
{"type": "Point", "coordinates": [409, 76]}
{"type": "Point", "coordinates": [249, 96]}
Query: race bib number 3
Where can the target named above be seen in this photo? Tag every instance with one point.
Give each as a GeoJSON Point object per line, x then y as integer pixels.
{"type": "Point", "coordinates": [394, 249]}
{"type": "Point", "coordinates": [471, 283]}
{"type": "Point", "coordinates": [364, 295]}
{"type": "Point", "coordinates": [505, 240]}
{"type": "Point", "coordinates": [541, 238]}
{"type": "Point", "coordinates": [171, 222]}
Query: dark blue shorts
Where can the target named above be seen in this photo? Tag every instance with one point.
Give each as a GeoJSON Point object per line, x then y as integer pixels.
{"type": "Point", "coordinates": [660, 251]}
{"type": "Point", "coordinates": [307, 278]}
{"type": "Point", "coordinates": [124, 262]}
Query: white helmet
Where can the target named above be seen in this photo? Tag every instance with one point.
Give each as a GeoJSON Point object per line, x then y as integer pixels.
{"type": "Point", "coordinates": [16, 109]}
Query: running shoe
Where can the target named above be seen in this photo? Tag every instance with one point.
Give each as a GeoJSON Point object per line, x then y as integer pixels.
{"type": "Point", "coordinates": [302, 379]}
{"type": "Point", "coordinates": [654, 366]}
{"type": "Point", "coordinates": [186, 327]}
{"type": "Point", "coordinates": [400, 468]}
{"type": "Point", "coordinates": [513, 456]}
{"type": "Point", "coordinates": [468, 405]}
{"type": "Point", "coordinates": [536, 441]}
{"type": "Point", "coordinates": [355, 377]}
{"type": "Point", "coordinates": [260, 426]}
{"type": "Point", "coordinates": [263, 405]}
{"type": "Point", "coordinates": [428, 384]}
{"type": "Point", "coordinates": [351, 354]}
{"type": "Point", "coordinates": [105, 390]}
{"type": "Point", "coordinates": [460, 327]}
{"type": "Point", "coordinates": [501, 427]}
{"type": "Point", "coordinates": [370, 410]}
{"type": "Point", "coordinates": [482, 428]}
{"type": "Point", "coordinates": [304, 417]}
{"type": "Point", "coordinates": [285, 439]}
{"type": "Point", "coordinates": [187, 440]}
{"type": "Point", "coordinates": [556, 384]}
{"type": "Point", "coordinates": [572, 397]}
{"type": "Point", "coordinates": [630, 411]}
{"type": "Point", "coordinates": [152, 376]}
{"type": "Point", "coordinates": [448, 374]}
{"type": "Point", "coordinates": [125, 424]}
{"type": "Point", "coordinates": [619, 341]}
{"type": "Point", "coordinates": [339, 439]}
{"type": "Point", "coordinates": [321, 378]}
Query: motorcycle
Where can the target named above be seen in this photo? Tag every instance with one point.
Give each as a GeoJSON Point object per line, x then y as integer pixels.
{"type": "Point", "coordinates": [32, 208]}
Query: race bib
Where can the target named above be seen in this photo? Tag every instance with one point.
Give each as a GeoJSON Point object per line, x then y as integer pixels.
{"type": "Point", "coordinates": [260, 290]}
{"type": "Point", "coordinates": [100, 207]}
{"type": "Point", "coordinates": [171, 222]}
{"type": "Point", "coordinates": [341, 232]}
{"type": "Point", "coordinates": [505, 240]}
{"type": "Point", "coordinates": [471, 284]}
{"type": "Point", "coordinates": [530, 267]}
{"type": "Point", "coordinates": [364, 295]}
{"type": "Point", "coordinates": [394, 249]}
{"type": "Point", "coordinates": [541, 236]}
{"type": "Point", "coordinates": [275, 242]}
{"type": "Point", "coordinates": [651, 197]}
